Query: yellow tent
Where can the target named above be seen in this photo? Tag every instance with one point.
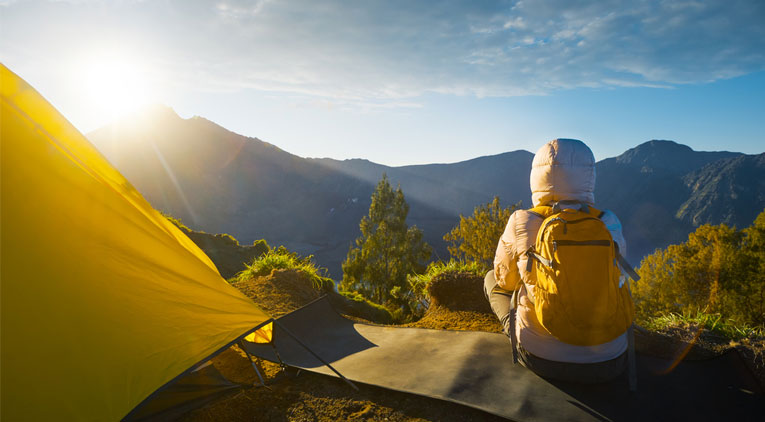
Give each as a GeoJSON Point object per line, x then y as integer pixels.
{"type": "Point", "coordinates": [102, 300]}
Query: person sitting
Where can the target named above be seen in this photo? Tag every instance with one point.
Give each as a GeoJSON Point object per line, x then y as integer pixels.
{"type": "Point", "coordinates": [563, 179]}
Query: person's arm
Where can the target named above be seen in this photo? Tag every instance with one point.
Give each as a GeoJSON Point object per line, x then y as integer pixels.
{"type": "Point", "coordinates": [615, 227]}
{"type": "Point", "coordinates": [505, 259]}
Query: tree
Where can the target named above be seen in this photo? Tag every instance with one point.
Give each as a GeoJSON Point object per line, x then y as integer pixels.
{"type": "Point", "coordinates": [475, 238]}
{"type": "Point", "coordinates": [691, 276]}
{"type": "Point", "coordinates": [752, 288]}
{"type": "Point", "coordinates": [387, 250]}
{"type": "Point", "coordinates": [718, 270]}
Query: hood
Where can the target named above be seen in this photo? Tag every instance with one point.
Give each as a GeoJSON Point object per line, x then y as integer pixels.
{"type": "Point", "coordinates": [563, 169]}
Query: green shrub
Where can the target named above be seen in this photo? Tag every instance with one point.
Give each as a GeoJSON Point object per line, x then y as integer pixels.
{"type": "Point", "coordinates": [282, 259]}
{"type": "Point", "coordinates": [228, 238]}
{"type": "Point", "coordinates": [364, 308]}
{"type": "Point", "coordinates": [719, 270]}
{"type": "Point", "coordinates": [261, 243]}
{"type": "Point", "coordinates": [177, 221]}
{"type": "Point", "coordinates": [260, 247]}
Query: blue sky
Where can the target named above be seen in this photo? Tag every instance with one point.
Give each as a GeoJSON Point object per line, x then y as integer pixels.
{"type": "Point", "coordinates": [405, 82]}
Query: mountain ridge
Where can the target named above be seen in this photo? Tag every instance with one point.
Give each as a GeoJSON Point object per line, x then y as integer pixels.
{"type": "Point", "coordinates": [222, 182]}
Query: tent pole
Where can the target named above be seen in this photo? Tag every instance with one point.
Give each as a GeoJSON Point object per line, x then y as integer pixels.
{"type": "Point", "coordinates": [276, 321]}
{"type": "Point", "coordinates": [262, 381]}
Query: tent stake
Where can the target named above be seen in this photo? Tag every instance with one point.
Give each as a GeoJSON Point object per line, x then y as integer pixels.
{"type": "Point", "coordinates": [276, 321]}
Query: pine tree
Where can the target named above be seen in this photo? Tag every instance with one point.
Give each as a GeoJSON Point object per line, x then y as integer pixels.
{"type": "Point", "coordinates": [387, 250]}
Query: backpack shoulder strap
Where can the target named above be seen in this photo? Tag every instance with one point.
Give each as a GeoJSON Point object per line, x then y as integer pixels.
{"type": "Point", "coordinates": [542, 211]}
{"type": "Point", "coordinates": [594, 212]}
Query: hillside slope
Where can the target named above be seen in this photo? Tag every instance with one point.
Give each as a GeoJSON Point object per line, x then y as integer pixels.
{"type": "Point", "coordinates": [453, 188]}
{"type": "Point", "coordinates": [225, 252]}
{"type": "Point", "coordinates": [222, 182]}
{"type": "Point", "coordinates": [645, 187]}
{"type": "Point", "coordinates": [724, 191]}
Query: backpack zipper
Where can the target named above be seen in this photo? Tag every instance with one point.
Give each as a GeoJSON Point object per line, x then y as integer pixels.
{"type": "Point", "coordinates": [565, 229]}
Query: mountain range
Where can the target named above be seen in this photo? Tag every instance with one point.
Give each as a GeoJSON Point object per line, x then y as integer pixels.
{"type": "Point", "coordinates": [222, 182]}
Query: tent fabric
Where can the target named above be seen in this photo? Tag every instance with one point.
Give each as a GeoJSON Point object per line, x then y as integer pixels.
{"type": "Point", "coordinates": [262, 335]}
{"type": "Point", "coordinates": [88, 265]}
{"type": "Point", "coordinates": [189, 392]}
{"type": "Point", "coordinates": [475, 369]}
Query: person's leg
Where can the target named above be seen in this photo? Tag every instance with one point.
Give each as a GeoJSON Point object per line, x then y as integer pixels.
{"type": "Point", "coordinates": [500, 300]}
{"type": "Point", "coordinates": [587, 373]}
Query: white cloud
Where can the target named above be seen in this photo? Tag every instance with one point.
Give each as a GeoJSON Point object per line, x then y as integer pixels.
{"type": "Point", "coordinates": [239, 10]}
{"type": "Point", "coordinates": [388, 51]}
{"type": "Point", "coordinates": [516, 22]}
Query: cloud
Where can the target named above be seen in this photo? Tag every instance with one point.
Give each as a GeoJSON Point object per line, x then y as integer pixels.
{"type": "Point", "coordinates": [379, 51]}
{"type": "Point", "coordinates": [239, 10]}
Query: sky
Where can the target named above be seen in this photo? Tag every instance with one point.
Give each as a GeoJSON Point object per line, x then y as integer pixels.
{"type": "Point", "coordinates": [407, 82]}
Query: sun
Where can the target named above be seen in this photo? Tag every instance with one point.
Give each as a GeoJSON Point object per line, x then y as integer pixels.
{"type": "Point", "coordinates": [113, 85]}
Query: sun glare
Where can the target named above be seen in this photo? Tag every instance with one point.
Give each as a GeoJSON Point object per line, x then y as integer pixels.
{"type": "Point", "coordinates": [113, 86]}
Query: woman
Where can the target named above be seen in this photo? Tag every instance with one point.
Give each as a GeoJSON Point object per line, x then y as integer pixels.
{"type": "Point", "coordinates": [563, 173]}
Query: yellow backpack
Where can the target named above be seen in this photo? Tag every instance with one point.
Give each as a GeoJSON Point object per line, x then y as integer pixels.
{"type": "Point", "coordinates": [579, 296]}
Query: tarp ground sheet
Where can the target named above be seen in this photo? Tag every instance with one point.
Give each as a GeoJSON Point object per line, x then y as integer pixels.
{"type": "Point", "coordinates": [474, 369]}
{"type": "Point", "coordinates": [191, 391]}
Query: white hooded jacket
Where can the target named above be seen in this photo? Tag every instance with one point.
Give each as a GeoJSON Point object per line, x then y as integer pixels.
{"type": "Point", "coordinates": [562, 170]}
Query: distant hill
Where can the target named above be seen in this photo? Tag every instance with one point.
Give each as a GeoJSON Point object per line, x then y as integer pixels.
{"type": "Point", "coordinates": [645, 187]}
{"type": "Point", "coordinates": [221, 182]}
{"type": "Point", "coordinates": [725, 191]}
{"type": "Point", "coordinates": [225, 252]}
{"type": "Point", "coordinates": [454, 188]}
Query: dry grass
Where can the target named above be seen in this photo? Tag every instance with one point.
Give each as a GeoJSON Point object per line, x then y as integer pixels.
{"type": "Point", "coordinates": [279, 293]}
{"type": "Point", "coordinates": [442, 318]}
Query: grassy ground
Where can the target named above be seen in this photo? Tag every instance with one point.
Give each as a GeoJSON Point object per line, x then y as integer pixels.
{"type": "Point", "coordinates": [702, 336]}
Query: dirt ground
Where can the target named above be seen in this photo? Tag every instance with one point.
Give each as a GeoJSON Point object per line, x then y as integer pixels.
{"type": "Point", "coordinates": [310, 397]}
{"type": "Point", "coordinates": [303, 396]}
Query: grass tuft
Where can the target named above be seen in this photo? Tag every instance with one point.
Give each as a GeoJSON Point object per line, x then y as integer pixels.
{"type": "Point", "coordinates": [452, 266]}
{"type": "Point", "coordinates": [418, 283]}
{"type": "Point", "coordinates": [282, 259]}
{"type": "Point", "coordinates": [715, 323]}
